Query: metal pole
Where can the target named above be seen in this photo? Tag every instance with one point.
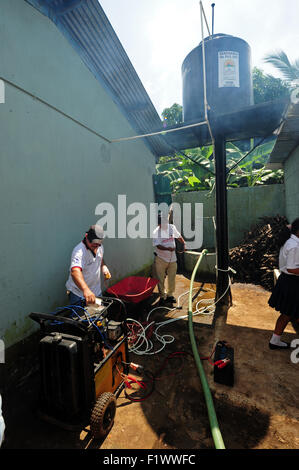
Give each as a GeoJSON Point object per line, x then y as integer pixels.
{"type": "Point", "coordinates": [221, 221]}
{"type": "Point", "coordinates": [204, 66]}
{"type": "Point", "coordinates": [205, 18]}
{"type": "Point", "coordinates": [205, 77]}
{"type": "Point", "coordinates": [213, 5]}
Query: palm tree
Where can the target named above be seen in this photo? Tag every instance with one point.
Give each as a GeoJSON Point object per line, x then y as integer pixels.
{"type": "Point", "coordinates": [280, 60]}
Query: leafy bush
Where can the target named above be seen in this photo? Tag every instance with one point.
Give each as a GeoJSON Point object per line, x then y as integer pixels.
{"type": "Point", "coordinates": [193, 170]}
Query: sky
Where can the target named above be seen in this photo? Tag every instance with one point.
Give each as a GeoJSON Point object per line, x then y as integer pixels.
{"type": "Point", "coordinates": [157, 35]}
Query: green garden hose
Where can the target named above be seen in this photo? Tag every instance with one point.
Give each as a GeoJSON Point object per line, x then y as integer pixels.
{"type": "Point", "coordinates": [216, 434]}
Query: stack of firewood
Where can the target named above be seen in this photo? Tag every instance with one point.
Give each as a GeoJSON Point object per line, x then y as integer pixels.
{"type": "Point", "coordinates": [257, 255]}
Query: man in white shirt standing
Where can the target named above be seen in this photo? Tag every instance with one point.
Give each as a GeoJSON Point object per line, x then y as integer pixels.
{"type": "Point", "coordinates": [87, 264]}
{"type": "Point", "coordinates": [165, 263]}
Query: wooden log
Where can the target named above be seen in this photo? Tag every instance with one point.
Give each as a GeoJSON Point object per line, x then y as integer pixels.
{"type": "Point", "coordinates": [257, 255]}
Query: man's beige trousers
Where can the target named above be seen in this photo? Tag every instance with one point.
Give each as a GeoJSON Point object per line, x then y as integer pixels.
{"type": "Point", "coordinates": [161, 269]}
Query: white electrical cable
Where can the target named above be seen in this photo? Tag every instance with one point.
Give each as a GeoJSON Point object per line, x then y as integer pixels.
{"type": "Point", "coordinates": [170, 309]}
{"type": "Point", "coordinates": [165, 339]}
{"type": "Point", "coordinates": [212, 306]}
{"type": "Point", "coordinates": [226, 270]}
{"type": "Point", "coordinates": [166, 131]}
{"type": "Point", "coordinates": [135, 348]}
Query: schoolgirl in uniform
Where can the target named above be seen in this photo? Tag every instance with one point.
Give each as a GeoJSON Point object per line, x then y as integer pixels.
{"type": "Point", "coordinates": [285, 295]}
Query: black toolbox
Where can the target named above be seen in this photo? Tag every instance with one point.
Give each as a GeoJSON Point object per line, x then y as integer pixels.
{"type": "Point", "coordinates": [67, 386]}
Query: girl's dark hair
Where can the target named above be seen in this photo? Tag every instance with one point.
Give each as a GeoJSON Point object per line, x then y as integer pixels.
{"type": "Point", "coordinates": [284, 235]}
{"type": "Point", "coordinates": [286, 232]}
{"type": "Point", "coordinates": [295, 226]}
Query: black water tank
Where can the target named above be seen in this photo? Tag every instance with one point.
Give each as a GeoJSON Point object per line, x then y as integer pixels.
{"type": "Point", "coordinates": [228, 75]}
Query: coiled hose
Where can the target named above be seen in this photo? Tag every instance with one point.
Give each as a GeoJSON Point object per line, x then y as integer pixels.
{"type": "Point", "coordinates": [216, 434]}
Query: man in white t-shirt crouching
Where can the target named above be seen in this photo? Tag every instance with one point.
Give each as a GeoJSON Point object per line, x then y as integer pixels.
{"type": "Point", "coordinates": [165, 263]}
{"type": "Point", "coordinates": [87, 264]}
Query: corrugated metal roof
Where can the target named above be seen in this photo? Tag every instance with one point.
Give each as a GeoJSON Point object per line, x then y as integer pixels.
{"type": "Point", "coordinates": [288, 137]}
{"type": "Point", "coordinates": [86, 26]}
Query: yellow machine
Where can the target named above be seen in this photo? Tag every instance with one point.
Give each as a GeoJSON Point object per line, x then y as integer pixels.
{"type": "Point", "coordinates": [83, 358]}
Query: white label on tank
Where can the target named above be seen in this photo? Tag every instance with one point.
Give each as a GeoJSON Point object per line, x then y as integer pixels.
{"type": "Point", "coordinates": [228, 69]}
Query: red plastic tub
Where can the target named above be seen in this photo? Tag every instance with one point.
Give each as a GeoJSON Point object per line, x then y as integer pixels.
{"type": "Point", "coordinates": [133, 288]}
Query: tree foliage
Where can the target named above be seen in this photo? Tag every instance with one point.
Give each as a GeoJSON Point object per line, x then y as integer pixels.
{"type": "Point", "coordinates": [268, 88]}
{"type": "Point", "coordinates": [186, 175]}
{"type": "Point", "coordinates": [173, 115]}
{"type": "Point", "coordinates": [280, 60]}
{"type": "Point", "coordinates": [265, 88]}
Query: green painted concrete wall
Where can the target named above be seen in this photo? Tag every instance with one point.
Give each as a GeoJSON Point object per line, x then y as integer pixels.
{"type": "Point", "coordinates": [291, 177]}
{"type": "Point", "coordinates": [54, 172]}
{"type": "Point", "coordinates": [245, 206]}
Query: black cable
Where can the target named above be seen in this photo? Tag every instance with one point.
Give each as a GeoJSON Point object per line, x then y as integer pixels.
{"type": "Point", "coordinates": [257, 145]}
{"type": "Point", "coordinates": [157, 375]}
{"type": "Point", "coordinates": [246, 155]}
{"type": "Point", "coordinates": [177, 354]}
{"type": "Point", "coordinates": [144, 397]}
{"type": "Point", "coordinates": [180, 152]}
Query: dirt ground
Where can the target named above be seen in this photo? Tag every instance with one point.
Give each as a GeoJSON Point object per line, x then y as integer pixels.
{"type": "Point", "coordinates": [259, 412]}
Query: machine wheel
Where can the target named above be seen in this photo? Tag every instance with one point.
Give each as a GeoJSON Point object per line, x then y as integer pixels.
{"type": "Point", "coordinates": [102, 416]}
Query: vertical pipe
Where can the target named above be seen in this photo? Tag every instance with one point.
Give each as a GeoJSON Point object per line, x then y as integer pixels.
{"type": "Point", "coordinates": [213, 5]}
{"type": "Point", "coordinates": [205, 18]}
{"type": "Point", "coordinates": [205, 77]}
{"type": "Point", "coordinates": [221, 194]}
{"type": "Point", "coordinates": [204, 65]}
{"type": "Point", "coordinates": [221, 219]}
